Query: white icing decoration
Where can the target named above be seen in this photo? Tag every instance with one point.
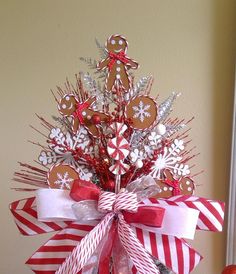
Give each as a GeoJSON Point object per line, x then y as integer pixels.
{"type": "Point", "coordinates": [117, 76]}
{"type": "Point", "coordinates": [71, 106]}
{"type": "Point", "coordinates": [165, 188]}
{"type": "Point", "coordinates": [67, 98]}
{"type": "Point", "coordinates": [188, 183]}
{"type": "Point", "coordinates": [141, 112]}
{"type": "Point", "coordinates": [120, 42]}
{"type": "Point", "coordinates": [113, 42]}
{"type": "Point", "coordinates": [64, 106]}
{"type": "Point", "coordinates": [118, 69]}
{"type": "Point", "coordinates": [118, 62]}
{"type": "Point", "coordinates": [63, 180]}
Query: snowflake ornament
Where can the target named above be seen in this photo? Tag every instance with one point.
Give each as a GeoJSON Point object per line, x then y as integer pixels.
{"type": "Point", "coordinates": [62, 147]}
{"type": "Point", "coordinates": [154, 139]}
{"type": "Point", "coordinates": [141, 111]}
{"type": "Point", "coordinates": [170, 159]}
{"type": "Point", "coordinates": [84, 173]}
{"type": "Point", "coordinates": [63, 180]}
{"type": "Point", "coordinates": [137, 155]}
{"type": "Point", "coordinates": [47, 157]}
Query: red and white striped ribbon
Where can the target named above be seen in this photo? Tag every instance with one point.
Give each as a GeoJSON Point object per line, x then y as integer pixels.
{"type": "Point", "coordinates": [173, 252]}
{"type": "Point", "coordinates": [106, 201]}
{"type": "Point", "coordinates": [26, 218]}
{"type": "Point", "coordinates": [139, 256]}
{"type": "Point", "coordinates": [211, 215]}
{"type": "Point", "coordinates": [84, 250]}
{"type": "Point", "coordinates": [126, 201]}
{"type": "Point", "coordinates": [48, 258]}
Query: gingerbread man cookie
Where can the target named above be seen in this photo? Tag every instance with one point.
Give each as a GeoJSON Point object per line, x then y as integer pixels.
{"type": "Point", "coordinates": [117, 63]}
{"type": "Point", "coordinates": [81, 112]}
{"type": "Point", "coordinates": [170, 186]}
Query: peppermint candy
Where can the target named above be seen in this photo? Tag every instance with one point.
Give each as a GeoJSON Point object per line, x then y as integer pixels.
{"type": "Point", "coordinates": [118, 148]}
{"type": "Point", "coordinates": [119, 168]}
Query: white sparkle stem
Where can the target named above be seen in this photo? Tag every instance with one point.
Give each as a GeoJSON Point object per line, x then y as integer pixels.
{"type": "Point", "coordinates": [132, 176]}
{"type": "Point", "coordinates": [131, 139]}
{"type": "Point", "coordinates": [117, 188]}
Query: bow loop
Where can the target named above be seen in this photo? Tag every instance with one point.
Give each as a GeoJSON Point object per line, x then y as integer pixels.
{"type": "Point", "coordinates": [106, 201]}
{"type": "Point", "coordinates": [109, 202]}
{"type": "Point", "coordinates": [126, 201]}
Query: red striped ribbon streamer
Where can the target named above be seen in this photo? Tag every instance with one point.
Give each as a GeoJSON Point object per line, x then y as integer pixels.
{"type": "Point", "coordinates": [48, 258]}
{"type": "Point", "coordinates": [172, 251]}
{"type": "Point", "coordinates": [26, 218]}
{"type": "Point", "coordinates": [211, 217]}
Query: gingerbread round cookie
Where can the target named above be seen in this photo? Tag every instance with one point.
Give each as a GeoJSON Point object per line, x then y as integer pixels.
{"type": "Point", "coordinates": [61, 176]}
{"type": "Point", "coordinates": [142, 112]}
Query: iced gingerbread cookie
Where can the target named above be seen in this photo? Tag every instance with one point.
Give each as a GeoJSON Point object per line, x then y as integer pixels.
{"type": "Point", "coordinates": [142, 112]}
{"type": "Point", "coordinates": [61, 176]}
{"type": "Point", "coordinates": [81, 112]}
{"type": "Point", "coordinates": [170, 186]}
{"type": "Point", "coordinates": [117, 63]}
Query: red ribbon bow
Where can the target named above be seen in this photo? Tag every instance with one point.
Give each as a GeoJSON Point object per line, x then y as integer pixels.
{"type": "Point", "coordinates": [178, 255]}
{"type": "Point", "coordinates": [79, 109]}
{"type": "Point", "coordinates": [147, 215]}
{"type": "Point", "coordinates": [114, 206]}
{"type": "Point", "coordinates": [121, 56]}
{"type": "Point", "coordinates": [175, 184]}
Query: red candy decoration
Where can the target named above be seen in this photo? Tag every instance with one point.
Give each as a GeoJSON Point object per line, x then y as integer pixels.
{"type": "Point", "coordinates": [109, 185]}
{"type": "Point", "coordinates": [96, 119]}
{"type": "Point", "coordinates": [102, 150]}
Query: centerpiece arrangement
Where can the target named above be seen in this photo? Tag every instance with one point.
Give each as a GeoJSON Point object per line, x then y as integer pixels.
{"type": "Point", "coordinates": [114, 178]}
